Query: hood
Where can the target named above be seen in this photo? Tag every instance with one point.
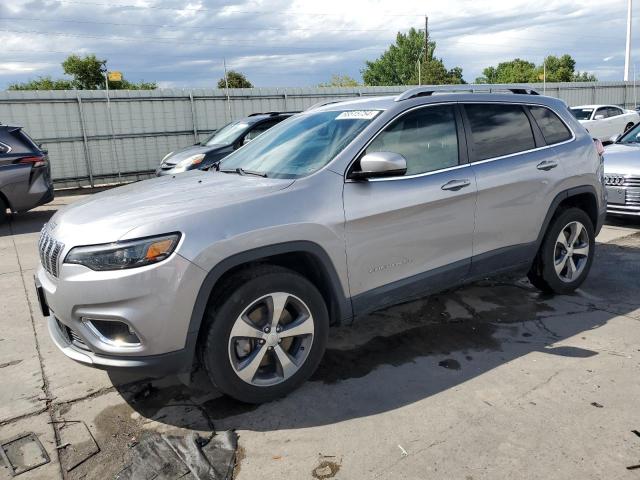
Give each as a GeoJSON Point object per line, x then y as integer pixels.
{"type": "Point", "coordinates": [162, 202]}
{"type": "Point", "coordinates": [186, 152]}
{"type": "Point", "coordinates": [622, 158]}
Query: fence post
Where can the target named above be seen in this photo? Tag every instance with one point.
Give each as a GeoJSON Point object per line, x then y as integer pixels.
{"type": "Point", "coordinates": [85, 142]}
{"type": "Point", "coordinates": [193, 117]}
{"type": "Point", "coordinates": [284, 96]}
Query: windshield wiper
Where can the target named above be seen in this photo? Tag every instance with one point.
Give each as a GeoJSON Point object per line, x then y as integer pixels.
{"type": "Point", "coordinates": [242, 171]}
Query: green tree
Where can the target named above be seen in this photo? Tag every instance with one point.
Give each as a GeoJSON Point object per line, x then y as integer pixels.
{"type": "Point", "coordinates": [42, 83]}
{"type": "Point", "coordinates": [398, 65]}
{"type": "Point", "coordinates": [87, 74]}
{"type": "Point", "coordinates": [515, 71]}
{"type": "Point", "coordinates": [340, 81]}
{"type": "Point", "coordinates": [236, 80]}
{"type": "Point", "coordinates": [558, 69]}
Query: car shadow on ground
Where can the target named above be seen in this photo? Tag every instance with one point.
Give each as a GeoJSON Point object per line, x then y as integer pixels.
{"type": "Point", "coordinates": [409, 352]}
{"type": "Point", "coordinates": [28, 222]}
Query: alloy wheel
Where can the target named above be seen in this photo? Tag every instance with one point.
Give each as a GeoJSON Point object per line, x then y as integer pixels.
{"type": "Point", "coordinates": [571, 251]}
{"type": "Point", "coordinates": [271, 339]}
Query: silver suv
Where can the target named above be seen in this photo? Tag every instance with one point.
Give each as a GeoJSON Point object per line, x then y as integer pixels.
{"type": "Point", "coordinates": [333, 213]}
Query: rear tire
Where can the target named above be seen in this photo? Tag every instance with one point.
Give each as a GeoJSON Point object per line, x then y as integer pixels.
{"type": "Point", "coordinates": [253, 354]}
{"type": "Point", "coordinates": [4, 216]}
{"type": "Point", "coordinates": [565, 256]}
{"type": "Point", "coordinates": [628, 127]}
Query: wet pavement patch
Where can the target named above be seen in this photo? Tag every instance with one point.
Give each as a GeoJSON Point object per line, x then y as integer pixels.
{"type": "Point", "coordinates": [450, 364]}
{"type": "Point", "coordinates": [23, 453]}
{"type": "Point", "coordinates": [405, 346]}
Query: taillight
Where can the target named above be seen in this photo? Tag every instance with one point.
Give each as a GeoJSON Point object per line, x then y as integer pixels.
{"type": "Point", "coordinates": [599, 146]}
{"type": "Point", "coordinates": [33, 161]}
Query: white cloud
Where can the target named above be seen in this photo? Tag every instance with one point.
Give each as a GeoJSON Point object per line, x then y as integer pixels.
{"type": "Point", "coordinates": [300, 42]}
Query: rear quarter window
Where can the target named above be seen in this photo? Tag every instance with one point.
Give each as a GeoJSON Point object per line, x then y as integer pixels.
{"type": "Point", "coordinates": [553, 129]}
{"type": "Point", "coordinates": [499, 129]}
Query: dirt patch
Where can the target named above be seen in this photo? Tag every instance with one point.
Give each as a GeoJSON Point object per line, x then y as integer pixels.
{"type": "Point", "coordinates": [325, 470]}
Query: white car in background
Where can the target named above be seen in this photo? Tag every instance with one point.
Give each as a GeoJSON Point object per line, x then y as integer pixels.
{"type": "Point", "coordinates": [605, 121]}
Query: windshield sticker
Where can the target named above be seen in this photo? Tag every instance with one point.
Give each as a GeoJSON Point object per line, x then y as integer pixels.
{"type": "Point", "coordinates": [358, 115]}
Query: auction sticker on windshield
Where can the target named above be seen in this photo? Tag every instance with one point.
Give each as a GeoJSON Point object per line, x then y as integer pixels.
{"type": "Point", "coordinates": [358, 115]}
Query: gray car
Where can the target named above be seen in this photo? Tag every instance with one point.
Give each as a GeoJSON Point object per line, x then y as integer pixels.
{"type": "Point", "coordinates": [622, 174]}
{"type": "Point", "coordinates": [219, 144]}
{"type": "Point", "coordinates": [338, 211]}
{"type": "Point", "coordinates": [25, 172]}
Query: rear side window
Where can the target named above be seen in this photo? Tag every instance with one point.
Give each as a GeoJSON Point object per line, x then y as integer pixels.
{"type": "Point", "coordinates": [427, 138]}
{"type": "Point", "coordinates": [498, 130]}
{"type": "Point", "coordinates": [553, 129]}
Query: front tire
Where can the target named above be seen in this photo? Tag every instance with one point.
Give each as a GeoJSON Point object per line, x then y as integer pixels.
{"type": "Point", "coordinates": [566, 254]}
{"type": "Point", "coordinates": [267, 334]}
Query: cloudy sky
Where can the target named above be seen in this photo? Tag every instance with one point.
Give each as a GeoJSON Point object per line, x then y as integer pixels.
{"type": "Point", "coordinates": [182, 43]}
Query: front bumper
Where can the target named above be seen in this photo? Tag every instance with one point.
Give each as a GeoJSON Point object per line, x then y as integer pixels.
{"type": "Point", "coordinates": [152, 365]}
{"type": "Point", "coordinates": [155, 301]}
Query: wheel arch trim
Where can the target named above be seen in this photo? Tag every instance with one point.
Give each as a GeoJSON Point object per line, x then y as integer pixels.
{"type": "Point", "coordinates": [342, 303]}
{"type": "Point", "coordinates": [561, 197]}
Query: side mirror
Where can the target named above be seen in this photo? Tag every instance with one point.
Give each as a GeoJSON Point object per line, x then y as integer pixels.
{"type": "Point", "coordinates": [599, 117]}
{"type": "Point", "coordinates": [380, 164]}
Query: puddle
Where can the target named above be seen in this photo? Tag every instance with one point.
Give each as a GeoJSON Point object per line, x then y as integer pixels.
{"type": "Point", "coordinates": [403, 347]}
{"type": "Point", "coordinates": [450, 363]}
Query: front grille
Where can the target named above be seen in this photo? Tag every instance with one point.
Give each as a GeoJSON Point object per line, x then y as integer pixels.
{"type": "Point", "coordinates": [618, 180]}
{"type": "Point", "coordinates": [71, 336]}
{"type": "Point", "coordinates": [633, 196]}
{"type": "Point", "coordinates": [50, 250]}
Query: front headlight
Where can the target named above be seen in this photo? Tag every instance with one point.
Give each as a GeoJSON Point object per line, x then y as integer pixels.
{"type": "Point", "coordinates": [189, 161]}
{"type": "Point", "coordinates": [127, 254]}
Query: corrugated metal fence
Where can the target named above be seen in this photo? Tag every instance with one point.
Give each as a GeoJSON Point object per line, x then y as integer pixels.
{"type": "Point", "coordinates": [89, 142]}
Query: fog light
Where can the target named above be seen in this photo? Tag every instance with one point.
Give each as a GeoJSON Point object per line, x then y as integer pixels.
{"type": "Point", "coordinates": [113, 332]}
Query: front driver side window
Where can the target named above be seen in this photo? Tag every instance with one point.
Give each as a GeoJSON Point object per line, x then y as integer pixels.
{"type": "Point", "coordinates": [427, 138]}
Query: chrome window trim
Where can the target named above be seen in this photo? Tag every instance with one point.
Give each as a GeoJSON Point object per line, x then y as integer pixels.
{"type": "Point", "coordinates": [478, 162]}
{"type": "Point", "coordinates": [401, 177]}
{"type": "Point", "coordinates": [8, 147]}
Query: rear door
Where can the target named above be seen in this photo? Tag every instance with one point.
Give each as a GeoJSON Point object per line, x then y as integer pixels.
{"type": "Point", "coordinates": [408, 234]}
{"type": "Point", "coordinates": [517, 179]}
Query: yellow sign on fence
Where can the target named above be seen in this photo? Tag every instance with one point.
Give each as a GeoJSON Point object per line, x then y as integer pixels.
{"type": "Point", "coordinates": [115, 76]}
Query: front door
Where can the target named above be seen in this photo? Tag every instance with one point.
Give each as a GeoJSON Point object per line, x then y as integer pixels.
{"type": "Point", "coordinates": [410, 234]}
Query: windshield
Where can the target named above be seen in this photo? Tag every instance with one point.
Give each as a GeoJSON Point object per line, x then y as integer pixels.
{"type": "Point", "coordinates": [300, 145]}
{"type": "Point", "coordinates": [632, 135]}
{"type": "Point", "coordinates": [582, 113]}
{"type": "Point", "coordinates": [226, 135]}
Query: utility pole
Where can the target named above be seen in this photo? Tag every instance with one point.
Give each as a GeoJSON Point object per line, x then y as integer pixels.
{"type": "Point", "coordinates": [627, 57]}
{"type": "Point", "coordinates": [426, 38]}
{"type": "Point", "coordinates": [226, 82]}
{"type": "Point", "coordinates": [114, 151]}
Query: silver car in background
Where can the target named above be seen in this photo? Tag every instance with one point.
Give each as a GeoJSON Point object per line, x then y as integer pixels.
{"type": "Point", "coordinates": [622, 174]}
{"type": "Point", "coordinates": [341, 210]}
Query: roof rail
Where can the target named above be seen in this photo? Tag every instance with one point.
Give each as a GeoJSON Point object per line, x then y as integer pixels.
{"type": "Point", "coordinates": [428, 90]}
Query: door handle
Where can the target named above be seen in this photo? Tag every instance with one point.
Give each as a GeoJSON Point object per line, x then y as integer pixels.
{"type": "Point", "coordinates": [547, 165]}
{"type": "Point", "coordinates": [456, 185]}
